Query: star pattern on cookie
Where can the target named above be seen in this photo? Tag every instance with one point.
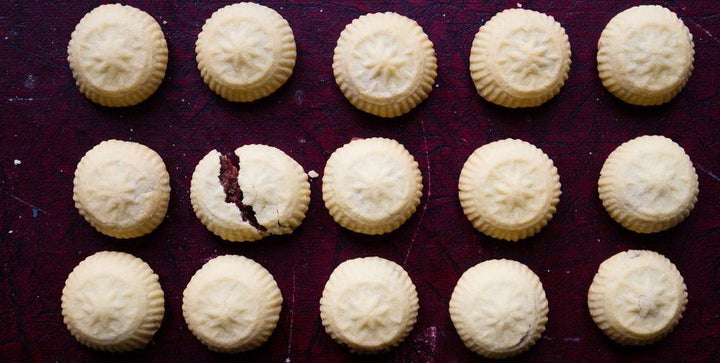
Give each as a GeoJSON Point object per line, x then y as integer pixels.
{"type": "Point", "coordinates": [653, 52]}
{"type": "Point", "coordinates": [512, 188]}
{"type": "Point", "coordinates": [121, 189]}
{"type": "Point", "coordinates": [103, 305]}
{"type": "Point", "coordinates": [528, 54]}
{"type": "Point", "coordinates": [655, 179]}
{"type": "Point", "coordinates": [385, 63]}
{"type": "Point", "coordinates": [379, 184]}
{"type": "Point", "coordinates": [370, 315]}
{"type": "Point", "coordinates": [505, 319]}
{"type": "Point", "coordinates": [226, 309]}
{"type": "Point", "coordinates": [111, 58]}
{"type": "Point", "coordinates": [647, 297]}
{"type": "Point", "coordinates": [241, 50]}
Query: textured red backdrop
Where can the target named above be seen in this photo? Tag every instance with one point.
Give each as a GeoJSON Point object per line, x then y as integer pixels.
{"type": "Point", "coordinates": [47, 125]}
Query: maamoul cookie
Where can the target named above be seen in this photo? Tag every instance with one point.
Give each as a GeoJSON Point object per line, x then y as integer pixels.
{"type": "Point", "coordinates": [266, 194]}
{"type": "Point", "coordinates": [384, 64]}
{"type": "Point", "coordinates": [232, 304]}
{"type": "Point", "coordinates": [371, 186]}
{"type": "Point", "coordinates": [520, 58]}
{"type": "Point", "coordinates": [648, 184]}
{"type": "Point", "coordinates": [245, 51]}
{"type": "Point", "coordinates": [112, 301]}
{"type": "Point", "coordinates": [645, 55]}
{"type": "Point", "coordinates": [122, 188]}
{"type": "Point", "coordinates": [118, 55]}
{"type": "Point", "coordinates": [508, 189]}
{"type": "Point", "coordinates": [499, 308]}
{"type": "Point", "coordinates": [637, 297]}
{"type": "Point", "coordinates": [369, 304]}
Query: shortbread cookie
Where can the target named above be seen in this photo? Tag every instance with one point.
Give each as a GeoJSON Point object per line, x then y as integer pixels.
{"type": "Point", "coordinates": [637, 297]}
{"type": "Point", "coordinates": [112, 301]}
{"type": "Point", "coordinates": [118, 55]}
{"type": "Point", "coordinates": [645, 55]}
{"type": "Point", "coordinates": [232, 304]}
{"type": "Point", "coordinates": [122, 188]}
{"type": "Point", "coordinates": [371, 186]}
{"type": "Point", "coordinates": [384, 64]}
{"type": "Point", "coordinates": [508, 189]}
{"type": "Point", "coordinates": [369, 304]}
{"type": "Point", "coordinates": [499, 308]}
{"type": "Point", "coordinates": [520, 58]}
{"type": "Point", "coordinates": [245, 51]}
{"type": "Point", "coordinates": [266, 194]}
{"type": "Point", "coordinates": [648, 184]}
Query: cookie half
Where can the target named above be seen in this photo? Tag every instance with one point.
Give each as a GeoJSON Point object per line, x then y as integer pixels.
{"type": "Point", "coordinates": [509, 189]}
{"type": "Point", "coordinates": [112, 301]}
{"type": "Point", "coordinates": [371, 186]}
{"type": "Point", "coordinates": [384, 64]}
{"type": "Point", "coordinates": [267, 193]}
{"type": "Point", "coordinates": [648, 184]}
{"type": "Point", "coordinates": [499, 308]}
{"type": "Point", "coordinates": [645, 55]}
{"type": "Point", "coordinates": [520, 58]}
{"type": "Point", "coordinates": [245, 51]}
{"type": "Point", "coordinates": [232, 304]}
{"type": "Point", "coordinates": [637, 297]}
{"type": "Point", "coordinates": [369, 304]}
{"type": "Point", "coordinates": [118, 55]}
{"type": "Point", "coordinates": [122, 188]}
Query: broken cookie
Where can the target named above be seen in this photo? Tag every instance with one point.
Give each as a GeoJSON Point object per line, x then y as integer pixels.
{"type": "Point", "coordinates": [267, 193]}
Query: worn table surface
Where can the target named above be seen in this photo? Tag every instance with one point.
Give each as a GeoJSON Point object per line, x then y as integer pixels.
{"type": "Point", "coordinates": [47, 125]}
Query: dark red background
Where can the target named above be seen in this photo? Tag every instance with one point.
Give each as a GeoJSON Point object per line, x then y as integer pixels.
{"type": "Point", "coordinates": [48, 125]}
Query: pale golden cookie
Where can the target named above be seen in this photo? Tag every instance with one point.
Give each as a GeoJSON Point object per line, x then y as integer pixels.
{"type": "Point", "coordinates": [245, 51]}
{"type": "Point", "coordinates": [371, 186]}
{"type": "Point", "coordinates": [112, 301]}
{"type": "Point", "coordinates": [520, 58]}
{"type": "Point", "coordinates": [384, 64]}
{"type": "Point", "coordinates": [369, 304]}
{"type": "Point", "coordinates": [499, 308]}
{"type": "Point", "coordinates": [509, 189]}
{"type": "Point", "coordinates": [637, 297]}
{"type": "Point", "coordinates": [118, 55]}
{"type": "Point", "coordinates": [645, 55]}
{"type": "Point", "coordinates": [648, 184]}
{"type": "Point", "coordinates": [268, 193]}
{"type": "Point", "coordinates": [122, 188]}
{"type": "Point", "coordinates": [232, 304]}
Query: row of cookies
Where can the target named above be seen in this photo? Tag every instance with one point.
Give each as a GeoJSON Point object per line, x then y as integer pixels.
{"type": "Point", "coordinates": [508, 189]}
{"type": "Point", "coordinates": [384, 63]}
{"type": "Point", "coordinates": [112, 301]}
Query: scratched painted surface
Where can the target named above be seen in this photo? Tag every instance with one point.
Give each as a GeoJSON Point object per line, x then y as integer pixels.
{"type": "Point", "coordinates": [47, 125]}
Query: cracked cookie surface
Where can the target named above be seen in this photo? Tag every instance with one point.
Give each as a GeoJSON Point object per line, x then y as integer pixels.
{"type": "Point", "coordinates": [267, 194]}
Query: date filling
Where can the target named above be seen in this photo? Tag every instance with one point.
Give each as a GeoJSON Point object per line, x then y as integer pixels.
{"type": "Point", "coordinates": [233, 194]}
